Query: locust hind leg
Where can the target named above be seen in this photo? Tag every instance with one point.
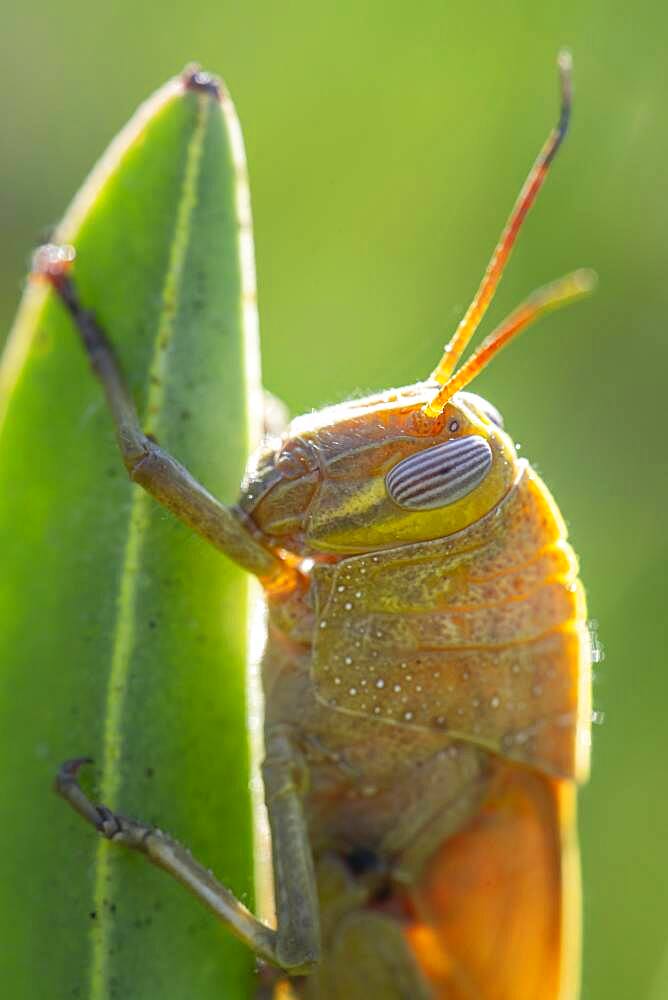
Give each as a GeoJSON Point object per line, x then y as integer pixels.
{"type": "Point", "coordinates": [295, 945]}
{"type": "Point", "coordinates": [147, 463]}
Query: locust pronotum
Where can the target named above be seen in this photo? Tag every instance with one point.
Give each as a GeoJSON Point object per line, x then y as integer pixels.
{"type": "Point", "coordinates": [426, 678]}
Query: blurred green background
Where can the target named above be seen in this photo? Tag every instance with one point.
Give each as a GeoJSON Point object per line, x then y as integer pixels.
{"type": "Point", "coordinates": [386, 144]}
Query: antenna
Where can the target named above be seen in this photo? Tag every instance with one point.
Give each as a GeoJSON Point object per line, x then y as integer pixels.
{"type": "Point", "coordinates": [532, 185]}
{"type": "Point", "coordinates": [559, 293]}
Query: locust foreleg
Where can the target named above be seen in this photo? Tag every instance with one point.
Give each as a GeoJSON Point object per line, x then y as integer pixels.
{"type": "Point", "coordinates": [147, 463]}
{"type": "Point", "coordinates": [295, 945]}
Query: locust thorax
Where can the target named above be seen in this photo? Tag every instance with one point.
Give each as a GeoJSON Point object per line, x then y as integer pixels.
{"type": "Point", "coordinates": [373, 473]}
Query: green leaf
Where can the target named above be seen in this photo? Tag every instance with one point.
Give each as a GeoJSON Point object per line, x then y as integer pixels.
{"type": "Point", "coordinates": [122, 635]}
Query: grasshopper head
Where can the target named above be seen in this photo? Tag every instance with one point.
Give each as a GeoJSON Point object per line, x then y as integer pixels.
{"type": "Point", "coordinates": [373, 473]}
{"type": "Point", "coordinates": [416, 463]}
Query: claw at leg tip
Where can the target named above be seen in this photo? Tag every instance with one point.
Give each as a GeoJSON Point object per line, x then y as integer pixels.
{"type": "Point", "coordinates": [69, 769]}
{"type": "Point", "coordinates": [52, 260]}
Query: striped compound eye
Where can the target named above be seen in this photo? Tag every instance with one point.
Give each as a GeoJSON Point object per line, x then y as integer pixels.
{"type": "Point", "coordinates": [439, 476]}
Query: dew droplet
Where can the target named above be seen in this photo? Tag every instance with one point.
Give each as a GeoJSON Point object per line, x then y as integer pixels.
{"type": "Point", "coordinates": [495, 701]}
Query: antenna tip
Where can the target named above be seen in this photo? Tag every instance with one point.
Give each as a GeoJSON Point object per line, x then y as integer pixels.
{"type": "Point", "coordinates": [565, 61]}
{"type": "Point", "coordinates": [565, 67]}
{"type": "Point", "coordinates": [585, 280]}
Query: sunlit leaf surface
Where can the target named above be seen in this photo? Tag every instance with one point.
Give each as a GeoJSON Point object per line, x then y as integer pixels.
{"type": "Point", "coordinates": [122, 636]}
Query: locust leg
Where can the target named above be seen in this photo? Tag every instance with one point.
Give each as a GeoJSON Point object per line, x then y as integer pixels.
{"type": "Point", "coordinates": [295, 945]}
{"type": "Point", "coordinates": [148, 464]}
{"type": "Point", "coordinates": [297, 909]}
